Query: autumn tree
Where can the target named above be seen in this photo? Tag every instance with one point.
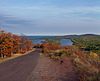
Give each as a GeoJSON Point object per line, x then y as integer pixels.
{"type": "Point", "coordinates": [11, 44]}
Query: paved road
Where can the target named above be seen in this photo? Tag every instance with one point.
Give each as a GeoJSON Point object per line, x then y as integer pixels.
{"type": "Point", "coordinates": [20, 68]}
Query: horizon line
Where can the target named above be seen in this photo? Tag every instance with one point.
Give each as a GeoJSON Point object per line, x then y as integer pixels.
{"type": "Point", "coordinates": [57, 34]}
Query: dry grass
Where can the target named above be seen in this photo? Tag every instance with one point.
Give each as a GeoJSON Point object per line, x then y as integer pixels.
{"type": "Point", "coordinates": [88, 66]}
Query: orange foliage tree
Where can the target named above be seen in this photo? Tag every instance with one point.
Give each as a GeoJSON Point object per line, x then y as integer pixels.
{"type": "Point", "coordinates": [10, 44]}
{"type": "Point", "coordinates": [48, 47]}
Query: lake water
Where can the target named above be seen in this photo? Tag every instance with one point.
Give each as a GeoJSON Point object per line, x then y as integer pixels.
{"type": "Point", "coordinates": [38, 41]}
{"type": "Point", "coordinates": [66, 42]}
{"type": "Point", "coordinates": [41, 39]}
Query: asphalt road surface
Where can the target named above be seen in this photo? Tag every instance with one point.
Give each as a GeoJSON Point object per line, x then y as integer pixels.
{"type": "Point", "coordinates": [20, 68]}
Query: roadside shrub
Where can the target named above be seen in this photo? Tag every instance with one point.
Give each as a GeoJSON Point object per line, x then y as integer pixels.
{"type": "Point", "coordinates": [88, 67]}
{"type": "Point", "coordinates": [11, 44]}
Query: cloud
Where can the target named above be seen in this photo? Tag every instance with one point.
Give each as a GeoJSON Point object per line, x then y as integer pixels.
{"type": "Point", "coordinates": [8, 21]}
{"type": "Point", "coordinates": [38, 12]}
{"type": "Point", "coordinates": [44, 19]}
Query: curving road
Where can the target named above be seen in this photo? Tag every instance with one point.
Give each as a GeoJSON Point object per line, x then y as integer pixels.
{"type": "Point", "coordinates": [20, 68]}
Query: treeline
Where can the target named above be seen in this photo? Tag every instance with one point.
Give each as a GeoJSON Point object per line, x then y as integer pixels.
{"type": "Point", "coordinates": [12, 44]}
{"type": "Point", "coordinates": [88, 43]}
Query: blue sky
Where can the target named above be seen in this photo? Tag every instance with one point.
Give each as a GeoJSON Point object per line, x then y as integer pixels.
{"type": "Point", "coordinates": [50, 16]}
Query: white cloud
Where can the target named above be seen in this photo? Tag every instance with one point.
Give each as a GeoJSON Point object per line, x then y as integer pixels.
{"type": "Point", "coordinates": [52, 19]}
{"type": "Point", "coordinates": [51, 11]}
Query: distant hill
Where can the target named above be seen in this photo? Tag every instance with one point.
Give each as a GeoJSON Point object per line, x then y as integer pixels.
{"type": "Point", "coordinates": [89, 35]}
{"type": "Point", "coordinates": [83, 35]}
